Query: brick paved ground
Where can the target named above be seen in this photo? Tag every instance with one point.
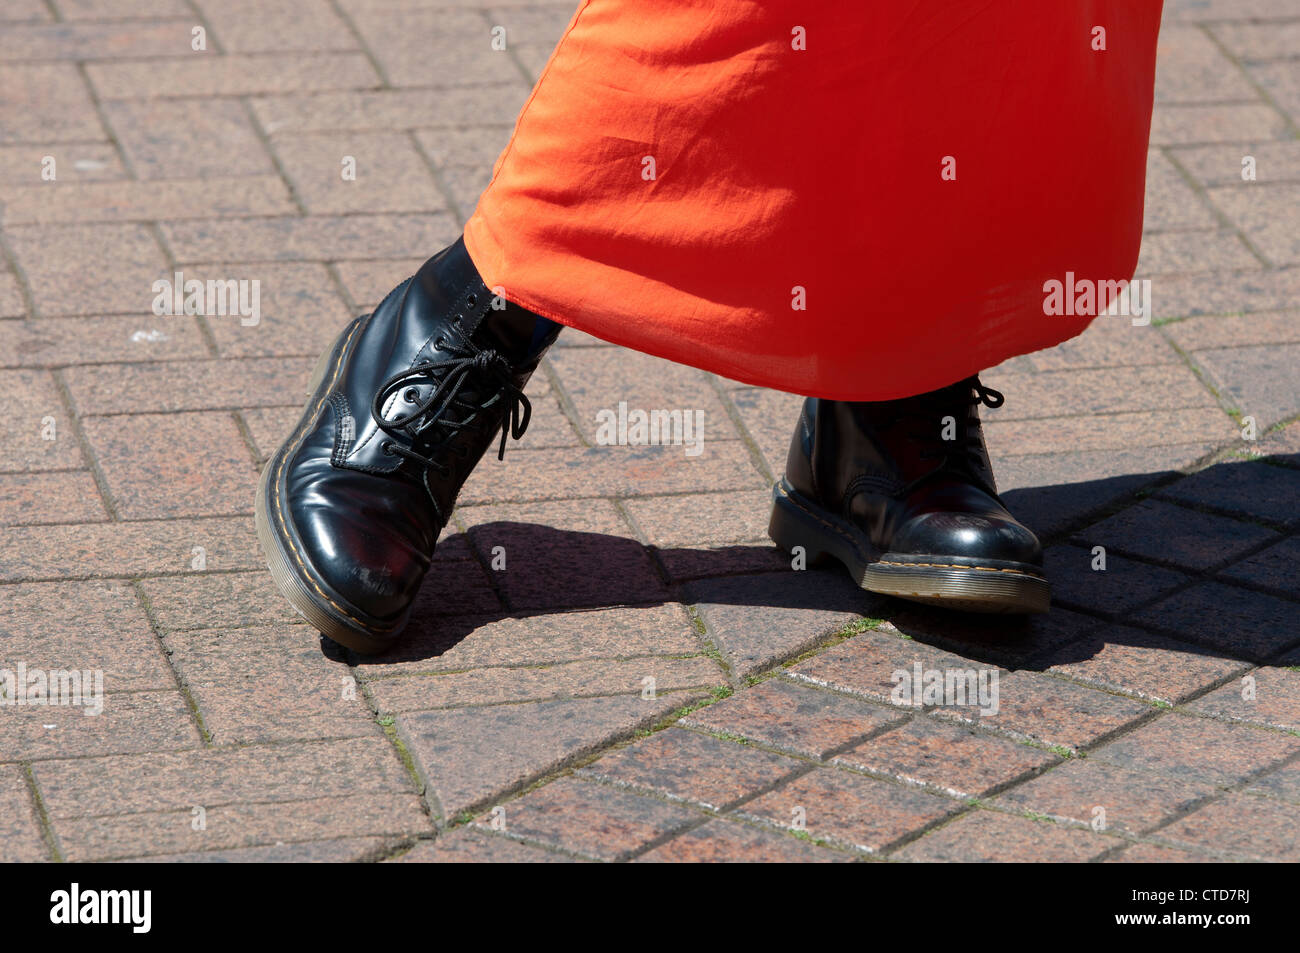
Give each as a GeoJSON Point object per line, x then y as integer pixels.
{"type": "Point", "coordinates": [1153, 715]}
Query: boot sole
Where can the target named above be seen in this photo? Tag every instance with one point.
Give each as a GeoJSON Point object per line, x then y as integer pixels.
{"type": "Point", "coordinates": [955, 582]}
{"type": "Point", "coordinates": [309, 595]}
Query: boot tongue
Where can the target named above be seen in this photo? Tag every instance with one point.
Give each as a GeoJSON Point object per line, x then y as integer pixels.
{"type": "Point", "coordinates": [518, 335]}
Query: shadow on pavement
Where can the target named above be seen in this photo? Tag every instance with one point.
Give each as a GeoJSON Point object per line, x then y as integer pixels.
{"type": "Point", "coordinates": [565, 575]}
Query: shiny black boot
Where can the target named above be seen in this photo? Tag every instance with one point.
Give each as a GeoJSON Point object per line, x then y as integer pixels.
{"type": "Point", "coordinates": [402, 407]}
{"type": "Point", "coordinates": [901, 492]}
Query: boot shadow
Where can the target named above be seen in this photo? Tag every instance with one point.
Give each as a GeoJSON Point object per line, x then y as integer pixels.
{"type": "Point", "coordinates": [510, 570]}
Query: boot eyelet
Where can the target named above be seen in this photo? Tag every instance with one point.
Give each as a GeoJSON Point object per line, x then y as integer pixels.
{"type": "Point", "coordinates": [470, 301]}
{"type": "Point", "coordinates": [411, 396]}
{"type": "Point", "coordinates": [438, 342]}
{"type": "Point", "coordinates": [387, 448]}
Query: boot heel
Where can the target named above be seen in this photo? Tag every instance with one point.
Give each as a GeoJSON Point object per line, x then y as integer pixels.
{"type": "Point", "coordinates": [792, 526]}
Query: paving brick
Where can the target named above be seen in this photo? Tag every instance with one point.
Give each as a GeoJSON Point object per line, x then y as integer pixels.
{"type": "Point", "coordinates": [1154, 428]}
{"type": "Point", "coordinates": [127, 549]}
{"type": "Point", "coordinates": [596, 381]}
{"type": "Point", "coordinates": [1259, 381]}
{"type": "Point", "coordinates": [1236, 621]}
{"type": "Point", "coordinates": [541, 474]}
{"type": "Point", "coordinates": [1192, 251]}
{"type": "Point", "coordinates": [268, 684]}
{"type": "Point", "coordinates": [269, 426]}
{"type": "Point", "coordinates": [725, 842]}
{"type": "Point", "coordinates": [453, 644]}
{"type": "Point", "coordinates": [793, 718]}
{"type": "Point", "coordinates": [1157, 854]}
{"type": "Point", "coordinates": [24, 10]}
{"type": "Point", "coordinates": [206, 74]}
{"type": "Point", "coordinates": [301, 312]}
{"type": "Point", "coordinates": [1274, 568]}
{"type": "Point", "coordinates": [59, 496]}
{"type": "Point", "coordinates": [1177, 535]}
{"type": "Point", "coordinates": [38, 434]}
{"type": "Point", "coordinates": [130, 722]}
{"type": "Point", "coordinates": [591, 819]}
{"type": "Point", "coordinates": [241, 196]}
{"type": "Point", "coordinates": [167, 465]}
{"type": "Point", "coordinates": [468, 756]}
{"type": "Point", "coordinates": [1243, 292]}
{"type": "Point", "coordinates": [192, 385]}
{"type": "Point", "coordinates": [1190, 69]}
{"type": "Point", "coordinates": [59, 342]}
{"type": "Point", "coordinates": [1209, 10]}
{"type": "Point", "coordinates": [865, 664]}
{"type": "Point", "coordinates": [387, 173]}
{"type": "Point", "coordinates": [368, 282]}
{"type": "Point", "coordinates": [1235, 122]}
{"type": "Point", "coordinates": [387, 110]}
{"type": "Point", "coordinates": [96, 41]}
{"type": "Point", "coordinates": [465, 846]}
{"type": "Point", "coordinates": [592, 561]}
{"type": "Point", "coordinates": [700, 769]}
{"type": "Point", "coordinates": [1245, 489]}
{"type": "Point", "coordinates": [760, 620]}
{"type": "Point", "coordinates": [1260, 210]}
{"type": "Point", "coordinates": [467, 147]}
{"type": "Point", "coordinates": [48, 627]}
{"type": "Point", "coordinates": [432, 46]}
{"type": "Point", "coordinates": [955, 759]}
{"type": "Point", "coordinates": [119, 9]}
{"type": "Point", "coordinates": [703, 519]}
{"type": "Point", "coordinates": [46, 102]}
{"type": "Point", "coordinates": [73, 162]}
{"type": "Point", "coordinates": [1170, 201]}
{"type": "Point", "coordinates": [316, 238]}
{"type": "Point", "coordinates": [1283, 783]}
{"type": "Point", "coordinates": [1275, 161]}
{"type": "Point", "coordinates": [770, 418]}
{"type": "Point", "coordinates": [1052, 492]}
{"type": "Point", "coordinates": [238, 826]}
{"type": "Point", "coordinates": [89, 268]}
{"type": "Point", "coordinates": [1104, 796]}
{"type": "Point", "coordinates": [1054, 712]}
{"type": "Point", "coordinates": [1199, 749]}
{"type": "Point", "coordinates": [1275, 702]}
{"type": "Point", "coordinates": [986, 836]}
{"type": "Point", "coordinates": [1121, 585]}
{"type": "Point", "coordinates": [1012, 640]}
{"type": "Point", "coordinates": [158, 137]}
{"type": "Point", "coordinates": [1242, 824]}
{"type": "Point", "coordinates": [19, 828]}
{"type": "Point", "coordinates": [1259, 41]}
{"type": "Point", "coordinates": [247, 26]}
{"type": "Point", "coordinates": [1281, 80]}
{"type": "Point", "coordinates": [1109, 390]}
{"type": "Point", "coordinates": [11, 298]}
{"type": "Point", "coordinates": [339, 850]}
{"type": "Point", "coordinates": [1221, 331]}
{"type": "Point", "coordinates": [171, 781]}
{"type": "Point", "coordinates": [1119, 658]}
{"type": "Point", "coordinates": [1282, 443]}
{"type": "Point", "coordinates": [850, 810]}
{"type": "Point", "coordinates": [1110, 341]}
{"type": "Point", "coordinates": [217, 600]}
{"type": "Point", "coordinates": [488, 686]}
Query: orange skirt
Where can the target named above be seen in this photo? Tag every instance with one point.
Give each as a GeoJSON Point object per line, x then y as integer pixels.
{"type": "Point", "coordinates": [858, 201]}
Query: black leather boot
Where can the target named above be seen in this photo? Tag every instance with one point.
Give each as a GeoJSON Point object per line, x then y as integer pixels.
{"type": "Point", "coordinates": [901, 492]}
{"type": "Point", "coordinates": [402, 407]}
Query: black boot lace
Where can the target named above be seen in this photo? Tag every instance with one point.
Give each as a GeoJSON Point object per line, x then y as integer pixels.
{"type": "Point", "coordinates": [454, 405]}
